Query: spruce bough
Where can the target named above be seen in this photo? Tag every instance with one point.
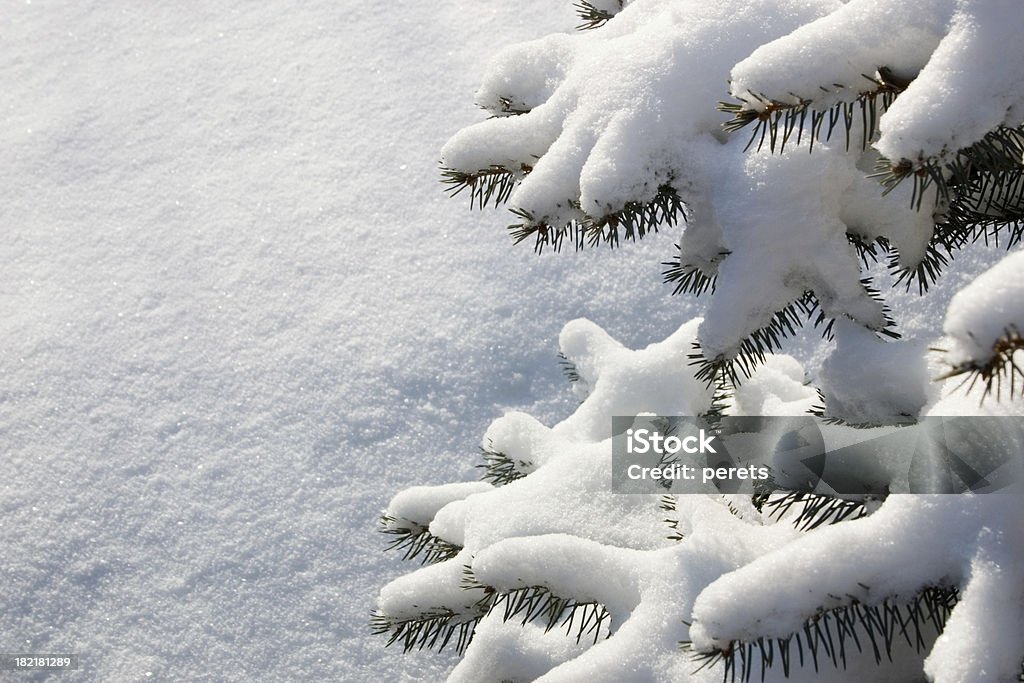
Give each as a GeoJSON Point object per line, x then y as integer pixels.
{"type": "Point", "coordinates": [813, 155]}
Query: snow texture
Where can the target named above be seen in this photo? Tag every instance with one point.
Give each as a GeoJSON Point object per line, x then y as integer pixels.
{"type": "Point", "coordinates": [871, 381]}
{"type": "Point", "coordinates": [239, 314]}
{"type": "Point", "coordinates": [780, 387]}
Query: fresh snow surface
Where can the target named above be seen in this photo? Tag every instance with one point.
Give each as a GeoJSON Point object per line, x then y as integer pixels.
{"type": "Point", "coordinates": [239, 315]}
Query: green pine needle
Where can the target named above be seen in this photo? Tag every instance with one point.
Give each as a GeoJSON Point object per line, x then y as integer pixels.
{"type": "Point", "coordinates": [813, 509]}
{"type": "Point", "coordinates": [591, 16]}
{"type": "Point", "coordinates": [830, 635]}
{"type": "Point", "coordinates": [688, 277]}
{"type": "Point", "coordinates": [487, 187]}
{"type": "Point", "coordinates": [767, 340]}
{"type": "Point", "coordinates": [568, 368]}
{"type": "Point", "coordinates": [1000, 369]}
{"type": "Point", "coordinates": [778, 122]}
{"type": "Point", "coordinates": [537, 603]}
{"type": "Point", "coordinates": [428, 630]}
{"type": "Point", "coordinates": [632, 222]}
{"type": "Point", "coordinates": [500, 469]}
{"type": "Point", "coordinates": [508, 106]}
{"type": "Point", "coordinates": [415, 540]}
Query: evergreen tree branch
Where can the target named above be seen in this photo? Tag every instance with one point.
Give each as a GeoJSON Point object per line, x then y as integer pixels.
{"type": "Point", "coordinates": [487, 187]}
{"type": "Point", "coordinates": [632, 222]}
{"type": "Point", "coordinates": [998, 369]}
{"type": "Point", "coordinates": [829, 637]}
{"type": "Point", "coordinates": [500, 469]}
{"type": "Point", "coordinates": [984, 178]}
{"type": "Point", "coordinates": [981, 185]}
{"type": "Point", "coordinates": [767, 340]}
{"type": "Point", "coordinates": [938, 254]}
{"type": "Point", "coordinates": [538, 603]}
{"type": "Point", "coordinates": [437, 626]}
{"type": "Point", "coordinates": [813, 509]}
{"type": "Point", "coordinates": [989, 204]}
{"type": "Point", "coordinates": [593, 16]}
{"type": "Point", "coordinates": [751, 352]}
{"type": "Point", "coordinates": [507, 106]}
{"type": "Point", "coordinates": [820, 411]}
{"type": "Point", "coordinates": [428, 630]}
{"type": "Point", "coordinates": [568, 368]}
{"type": "Point", "coordinates": [689, 277]}
{"type": "Point", "coordinates": [777, 122]}
{"type": "Point", "coordinates": [414, 540]}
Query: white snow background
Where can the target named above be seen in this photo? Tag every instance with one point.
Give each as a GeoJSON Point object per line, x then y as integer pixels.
{"type": "Point", "coordinates": [238, 314]}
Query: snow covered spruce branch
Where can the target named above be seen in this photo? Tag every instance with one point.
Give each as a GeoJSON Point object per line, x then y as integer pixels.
{"type": "Point", "coordinates": [554, 576]}
{"type": "Point", "coordinates": [615, 132]}
{"type": "Point", "coordinates": [541, 571]}
{"type": "Point", "coordinates": [983, 329]}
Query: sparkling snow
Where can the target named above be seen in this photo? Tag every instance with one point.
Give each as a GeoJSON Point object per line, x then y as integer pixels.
{"type": "Point", "coordinates": [239, 315]}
